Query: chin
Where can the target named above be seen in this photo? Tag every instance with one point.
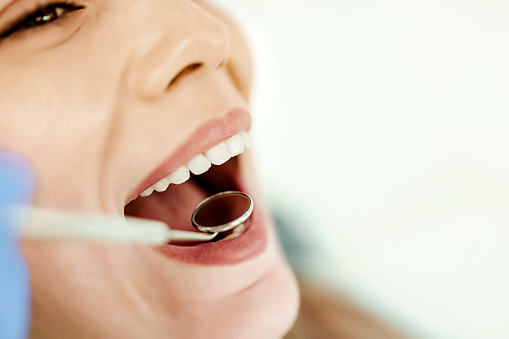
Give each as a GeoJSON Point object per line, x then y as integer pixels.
{"type": "Point", "coordinates": [265, 309]}
{"type": "Point", "coordinates": [273, 303]}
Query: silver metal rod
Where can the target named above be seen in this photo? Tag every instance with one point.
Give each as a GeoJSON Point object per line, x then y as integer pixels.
{"type": "Point", "coordinates": [50, 224]}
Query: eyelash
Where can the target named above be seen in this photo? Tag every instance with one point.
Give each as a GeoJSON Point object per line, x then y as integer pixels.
{"type": "Point", "coordinates": [41, 16]}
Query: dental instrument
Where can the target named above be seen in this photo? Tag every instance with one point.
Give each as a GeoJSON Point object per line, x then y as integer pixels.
{"type": "Point", "coordinates": [216, 214]}
{"type": "Point", "coordinates": [222, 212]}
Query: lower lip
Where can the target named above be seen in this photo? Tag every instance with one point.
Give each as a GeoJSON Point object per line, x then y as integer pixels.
{"type": "Point", "coordinates": [248, 245]}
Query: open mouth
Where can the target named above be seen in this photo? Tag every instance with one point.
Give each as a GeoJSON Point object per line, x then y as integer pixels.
{"type": "Point", "coordinates": [173, 198]}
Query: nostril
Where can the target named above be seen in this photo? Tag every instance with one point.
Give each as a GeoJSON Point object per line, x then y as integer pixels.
{"type": "Point", "coordinates": [185, 71]}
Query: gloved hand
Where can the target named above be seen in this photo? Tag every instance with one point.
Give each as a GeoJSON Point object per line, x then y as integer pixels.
{"type": "Point", "coordinates": [16, 184]}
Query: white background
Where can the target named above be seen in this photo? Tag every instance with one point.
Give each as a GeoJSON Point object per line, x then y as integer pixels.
{"type": "Point", "coordinates": [382, 126]}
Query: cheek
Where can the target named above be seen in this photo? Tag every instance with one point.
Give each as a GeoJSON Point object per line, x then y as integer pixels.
{"type": "Point", "coordinates": [74, 285]}
{"type": "Point", "coordinates": [54, 98]}
{"type": "Point", "coordinates": [60, 125]}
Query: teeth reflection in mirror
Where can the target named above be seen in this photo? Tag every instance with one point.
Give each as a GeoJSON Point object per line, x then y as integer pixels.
{"type": "Point", "coordinates": [199, 164]}
{"type": "Point", "coordinates": [236, 231]}
{"type": "Point", "coordinates": [180, 176]}
{"type": "Point", "coordinates": [218, 154]}
{"type": "Point", "coordinates": [235, 144]}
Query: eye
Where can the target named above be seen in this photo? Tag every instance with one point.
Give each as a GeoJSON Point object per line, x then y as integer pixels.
{"type": "Point", "coordinates": [41, 16]}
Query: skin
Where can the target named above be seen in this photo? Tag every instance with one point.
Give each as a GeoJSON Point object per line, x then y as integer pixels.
{"type": "Point", "coordinates": [88, 101]}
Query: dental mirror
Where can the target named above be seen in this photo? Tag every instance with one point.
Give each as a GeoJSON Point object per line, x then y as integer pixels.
{"type": "Point", "coordinates": [218, 213]}
{"type": "Point", "coordinates": [222, 212]}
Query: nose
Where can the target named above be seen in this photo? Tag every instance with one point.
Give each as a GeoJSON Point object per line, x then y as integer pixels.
{"type": "Point", "coordinates": [190, 45]}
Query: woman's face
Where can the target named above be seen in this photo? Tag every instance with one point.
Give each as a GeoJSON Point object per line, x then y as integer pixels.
{"type": "Point", "coordinates": [105, 98]}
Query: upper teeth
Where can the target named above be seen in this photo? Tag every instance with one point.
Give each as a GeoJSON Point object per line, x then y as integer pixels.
{"type": "Point", "coordinates": [201, 163]}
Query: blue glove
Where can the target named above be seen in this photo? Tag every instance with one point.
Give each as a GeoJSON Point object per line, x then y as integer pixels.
{"type": "Point", "coordinates": [16, 184]}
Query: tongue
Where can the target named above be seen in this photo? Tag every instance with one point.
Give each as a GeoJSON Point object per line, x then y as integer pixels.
{"type": "Point", "coordinates": [174, 206]}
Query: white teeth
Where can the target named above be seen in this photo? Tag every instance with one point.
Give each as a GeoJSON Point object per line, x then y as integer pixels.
{"type": "Point", "coordinates": [161, 185]}
{"type": "Point", "coordinates": [179, 176]}
{"type": "Point", "coordinates": [245, 138]}
{"type": "Point", "coordinates": [147, 192]}
{"type": "Point", "coordinates": [201, 163]}
{"type": "Point", "coordinates": [235, 144]}
{"type": "Point", "coordinates": [218, 154]}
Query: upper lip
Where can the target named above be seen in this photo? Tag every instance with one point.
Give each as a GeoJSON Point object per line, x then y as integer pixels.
{"type": "Point", "coordinates": [207, 135]}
